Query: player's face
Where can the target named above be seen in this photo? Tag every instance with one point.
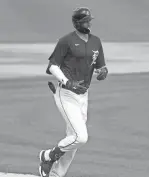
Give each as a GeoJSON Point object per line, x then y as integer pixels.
{"type": "Point", "coordinates": [87, 24]}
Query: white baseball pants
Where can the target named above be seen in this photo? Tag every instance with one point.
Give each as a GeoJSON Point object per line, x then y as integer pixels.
{"type": "Point", "coordinates": [73, 108]}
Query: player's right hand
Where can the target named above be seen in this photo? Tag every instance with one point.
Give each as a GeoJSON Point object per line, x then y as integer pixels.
{"type": "Point", "coordinates": [77, 86]}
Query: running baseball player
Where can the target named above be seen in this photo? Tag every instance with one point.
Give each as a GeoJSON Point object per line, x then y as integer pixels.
{"type": "Point", "coordinates": [73, 61]}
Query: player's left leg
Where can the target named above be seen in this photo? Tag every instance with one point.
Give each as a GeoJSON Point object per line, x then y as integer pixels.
{"type": "Point", "coordinates": [60, 168]}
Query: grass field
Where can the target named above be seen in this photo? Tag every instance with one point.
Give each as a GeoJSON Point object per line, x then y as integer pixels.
{"type": "Point", "coordinates": [118, 125]}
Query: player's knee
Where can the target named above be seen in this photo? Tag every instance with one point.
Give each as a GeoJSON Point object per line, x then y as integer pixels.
{"type": "Point", "coordinates": [82, 138]}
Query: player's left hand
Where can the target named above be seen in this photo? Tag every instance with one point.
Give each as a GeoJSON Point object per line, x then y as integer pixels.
{"type": "Point", "coordinates": [101, 73]}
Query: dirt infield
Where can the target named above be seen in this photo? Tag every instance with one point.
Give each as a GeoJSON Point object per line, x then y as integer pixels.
{"type": "Point", "coordinates": [117, 124]}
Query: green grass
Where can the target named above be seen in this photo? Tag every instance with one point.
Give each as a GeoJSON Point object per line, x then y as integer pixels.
{"type": "Point", "coordinates": [117, 124]}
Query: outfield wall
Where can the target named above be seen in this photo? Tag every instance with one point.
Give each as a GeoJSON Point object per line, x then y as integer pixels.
{"type": "Point", "coordinates": [18, 60]}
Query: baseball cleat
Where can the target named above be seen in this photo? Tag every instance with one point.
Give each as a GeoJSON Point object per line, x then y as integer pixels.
{"type": "Point", "coordinates": [45, 166]}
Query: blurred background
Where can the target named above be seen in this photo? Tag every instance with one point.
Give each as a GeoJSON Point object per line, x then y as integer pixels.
{"type": "Point", "coordinates": [29, 30]}
{"type": "Point", "coordinates": [47, 20]}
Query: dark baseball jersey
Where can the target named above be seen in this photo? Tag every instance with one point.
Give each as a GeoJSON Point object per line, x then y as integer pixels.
{"type": "Point", "coordinates": [77, 58]}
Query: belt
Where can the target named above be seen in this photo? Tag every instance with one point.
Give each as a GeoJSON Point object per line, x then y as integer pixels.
{"type": "Point", "coordinates": [63, 86]}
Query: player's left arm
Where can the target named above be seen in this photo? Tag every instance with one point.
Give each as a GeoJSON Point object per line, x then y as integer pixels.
{"type": "Point", "coordinates": [100, 66]}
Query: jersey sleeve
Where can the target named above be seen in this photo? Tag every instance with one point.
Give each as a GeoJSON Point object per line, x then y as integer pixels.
{"type": "Point", "coordinates": [59, 52]}
{"type": "Point", "coordinates": [100, 62]}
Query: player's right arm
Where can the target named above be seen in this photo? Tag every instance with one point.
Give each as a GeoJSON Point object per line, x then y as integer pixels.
{"type": "Point", "coordinates": [56, 59]}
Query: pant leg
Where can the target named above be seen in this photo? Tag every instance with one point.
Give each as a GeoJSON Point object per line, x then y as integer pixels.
{"type": "Point", "coordinates": [70, 106]}
{"type": "Point", "coordinates": [60, 168]}
{"type": "Point", "coordinates": [84, 107]}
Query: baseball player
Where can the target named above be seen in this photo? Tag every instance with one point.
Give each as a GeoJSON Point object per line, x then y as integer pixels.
{"type": "Point", "coordinates": [76, 56]}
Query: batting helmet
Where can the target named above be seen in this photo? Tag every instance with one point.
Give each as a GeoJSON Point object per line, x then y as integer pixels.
{"type": "Point", "coordinates": [81, 15]}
